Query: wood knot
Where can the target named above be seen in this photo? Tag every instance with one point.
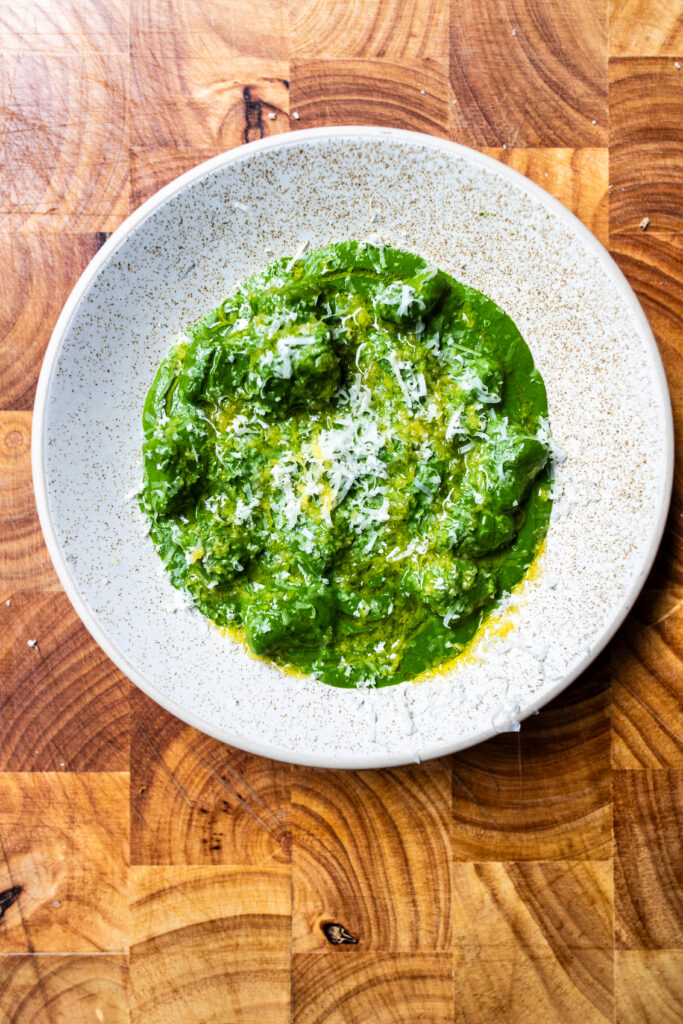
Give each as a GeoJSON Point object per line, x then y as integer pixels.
{"type": "Point", "coordinates": [7, 898]}
{"type": "Point", "coordinates": [337, 934]}
{"type": "Point", "coordinates": [15, 438]}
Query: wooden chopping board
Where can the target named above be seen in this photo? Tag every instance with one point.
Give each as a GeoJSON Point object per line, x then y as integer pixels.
{"type": "Point", "coordinates": [150, 874]}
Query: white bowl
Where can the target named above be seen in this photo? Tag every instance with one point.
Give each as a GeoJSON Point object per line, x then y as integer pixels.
{"type": "Point", "coordinates": [178, 255]}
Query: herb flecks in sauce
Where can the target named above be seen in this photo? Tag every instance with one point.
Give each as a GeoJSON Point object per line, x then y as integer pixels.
{"type": "Point", "coordinates": [348, 462]}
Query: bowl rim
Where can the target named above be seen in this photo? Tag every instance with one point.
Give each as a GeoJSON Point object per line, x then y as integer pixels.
{"type": "Point", "coordinates": [133, 221]}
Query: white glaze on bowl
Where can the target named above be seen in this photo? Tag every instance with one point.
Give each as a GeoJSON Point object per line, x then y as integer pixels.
{"type": "Point", "coordinates": [178, 256]}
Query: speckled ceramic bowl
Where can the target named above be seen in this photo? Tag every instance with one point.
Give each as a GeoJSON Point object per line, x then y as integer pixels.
{"type": "Point", "coordinates": [178, 255]}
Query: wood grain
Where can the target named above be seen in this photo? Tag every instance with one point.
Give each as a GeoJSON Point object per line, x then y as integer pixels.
{"type": "Point", "coordinates": [547, 907]}
{"type": "Point", "coordinates": [191, 104]}
{"type": "Point", "coordinates": [649, 986]}
{"type": "Point", "coordinates": [639, 28]}
{"type": "Point", "coordinates": [24, 561]}
{"type": "Point", "coordinates": [63, 704]}
{"type": "Point", "coordinates": [257, 31]}
{"type": "Point", "coordinates": [208, 984]}
{"type": "Point", "coordinates": [552, 913]}
{"type": "Point", "coordinates": [372, 988]}
{"type": "Point", "coordinates": [396, 29]}
{"type": "Point", "coordinates": [64, 843]}
{"type": "Point", "coordinates": [248, 908]}
{"type": "Point", "coordinates": [647, 691]}
{"type": "Point", "coordinates": [528, 73]}
{"type": "Point", "coordinates": [648, 859]}
{"type": "Point", "coordinates": [64, 989]}
{"type": "Point", "coordinates": [228, 73]}
{"type": "Point", "coordinates": [197, 801]}
{"type": "Point", "coordinates": [577, 177]}
{"type": "Point", "coordinates": [646, 144]}
{"type": "Point", "coordinates": [37, 272]}
{"type": "Point", "coordinates": [509, 986]}
{"type": "Point", "coordinates": [151, 169]}
{"type": "Point", "coordinates": [542, 793]}
{"type": "Point", "coordinates": [67, 28]}
{"type": "Point", "coordinates": [73, 111]}
{"type": "Point", "coordinates": [411, 94]}
{"type": "Point", "coordinates": [371, 852]}
{"type": "Point", "coordinates": [653, 264]}
{"type": "Point", "coordinates": [210, 944]}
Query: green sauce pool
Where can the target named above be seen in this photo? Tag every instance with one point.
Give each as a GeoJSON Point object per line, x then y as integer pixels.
{"type": "Point", "coordinates": [348, 463]}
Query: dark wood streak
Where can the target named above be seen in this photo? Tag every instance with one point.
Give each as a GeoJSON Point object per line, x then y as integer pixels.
{"type": "Point", "coordinates": [253, 116]}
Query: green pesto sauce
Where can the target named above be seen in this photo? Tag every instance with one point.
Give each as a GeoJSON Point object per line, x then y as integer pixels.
{"type": "Point", "coordinates": [348, 462]}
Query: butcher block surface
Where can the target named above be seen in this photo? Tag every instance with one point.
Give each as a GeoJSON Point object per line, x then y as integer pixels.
{"type": "Point", "coordinates": [153, 875]}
